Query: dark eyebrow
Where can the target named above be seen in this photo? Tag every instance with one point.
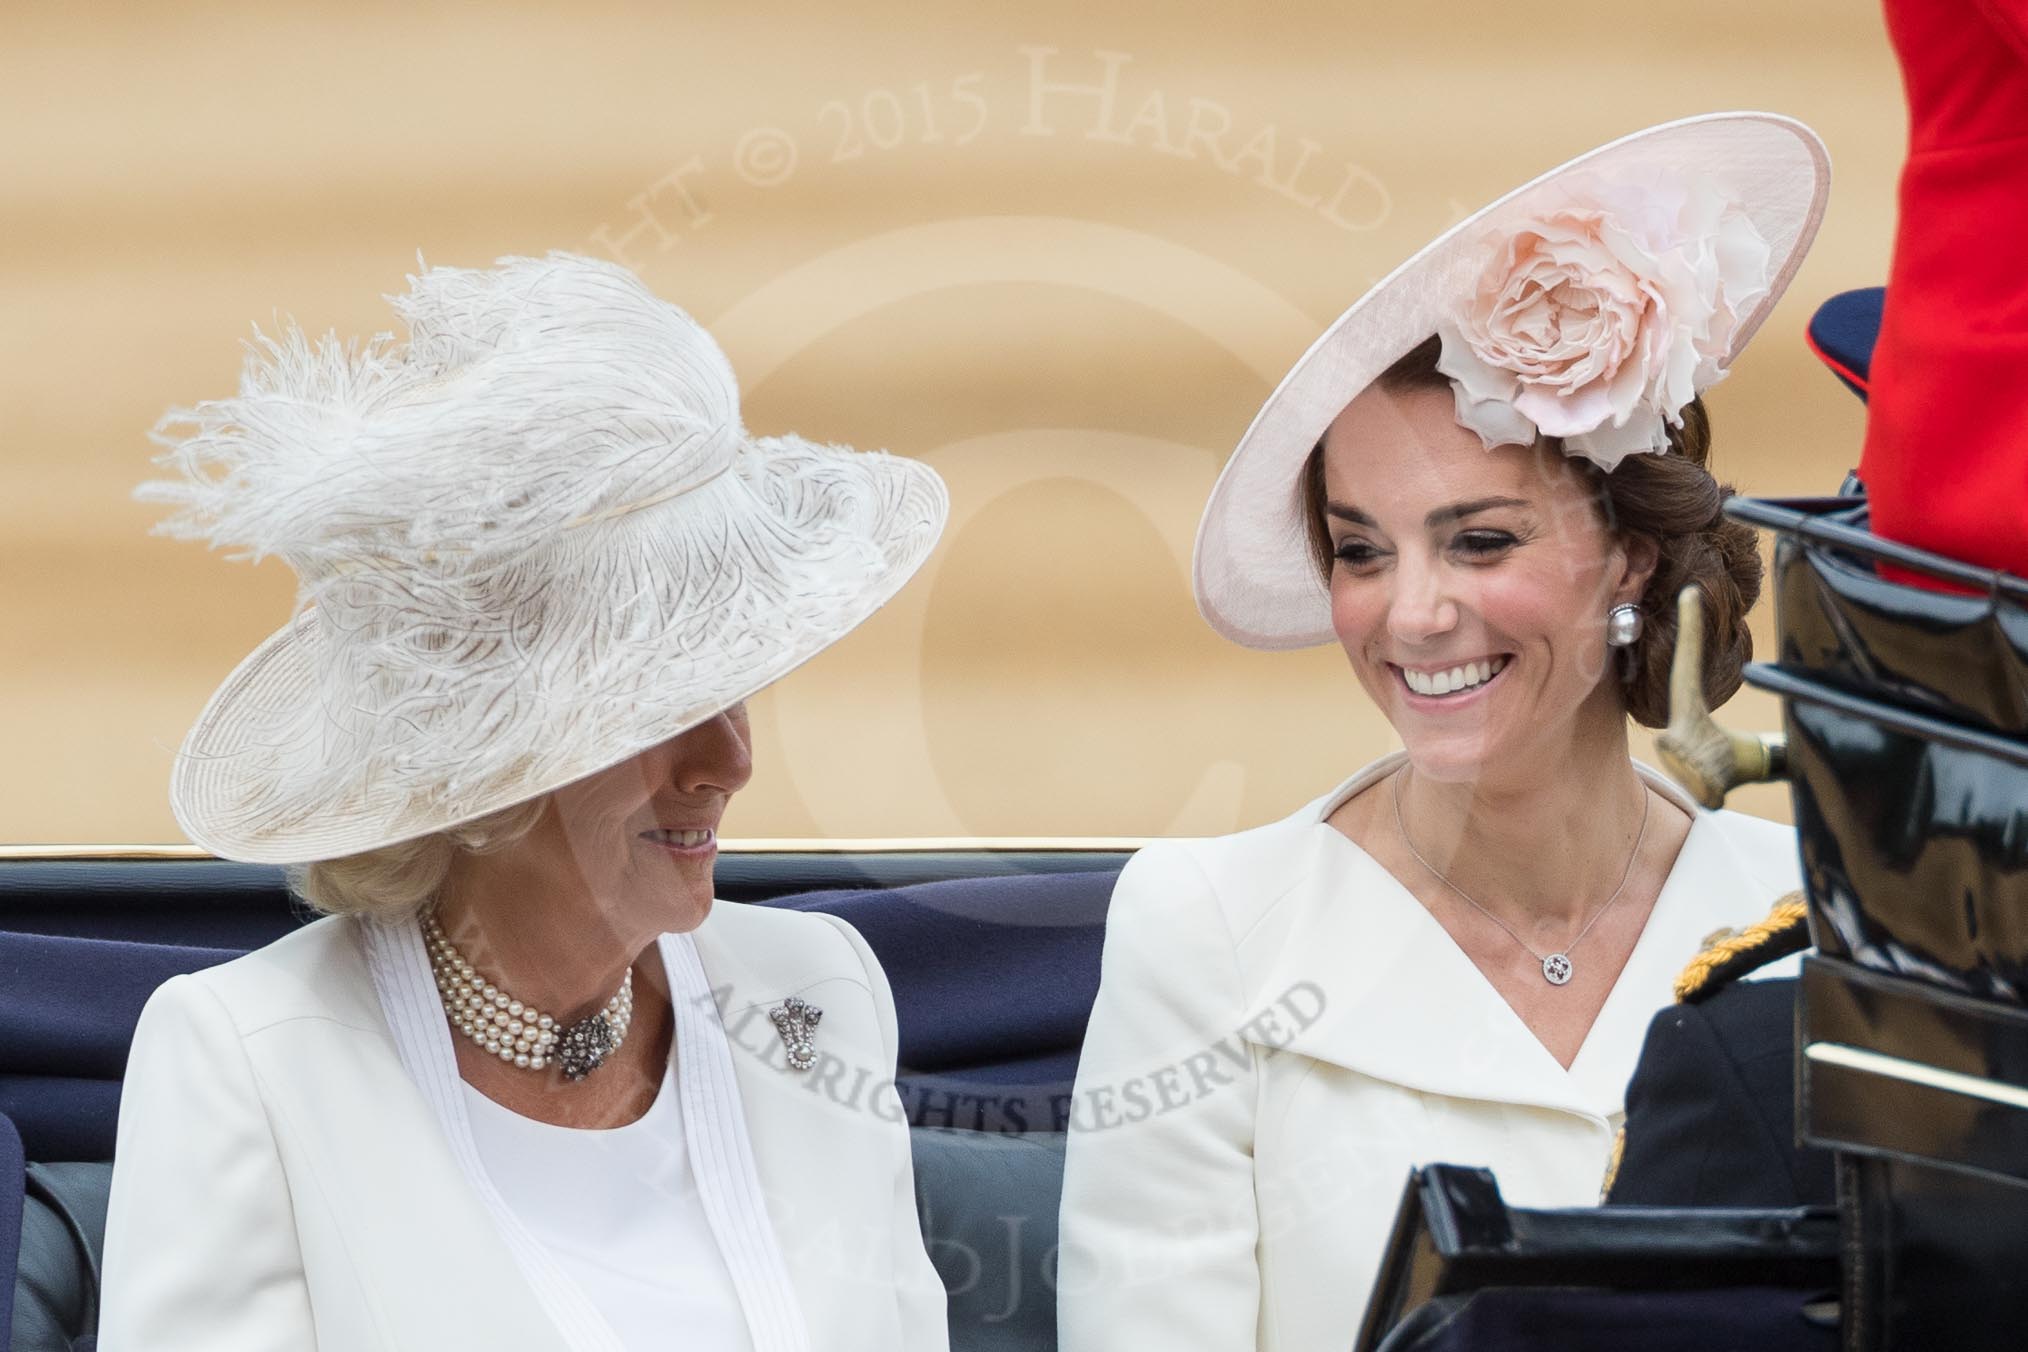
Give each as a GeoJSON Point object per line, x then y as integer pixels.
{"type": "Point", "coordinates": [1457, 511]}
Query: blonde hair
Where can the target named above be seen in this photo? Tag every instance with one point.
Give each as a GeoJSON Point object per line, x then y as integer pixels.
{"type": "Point", "coordinates": [400, 881]}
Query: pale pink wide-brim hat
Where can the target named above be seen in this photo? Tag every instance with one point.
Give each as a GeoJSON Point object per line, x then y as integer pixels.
{"type": "Point", "coordinates": [531, 542]}
{"type": "Point", "coordinates": [1254, 576]}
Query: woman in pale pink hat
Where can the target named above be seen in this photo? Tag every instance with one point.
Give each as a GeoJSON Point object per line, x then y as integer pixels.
{"type": "Point", "coordinates": [1487, 483]}
{"type": "Point", "coordinates": [526, 1086]}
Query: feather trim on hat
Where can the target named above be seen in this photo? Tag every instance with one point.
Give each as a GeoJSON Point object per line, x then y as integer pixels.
{"type": "Point", "coordinates": [535, 528]}
{"type": "Point", "coordinates": [528, 395]}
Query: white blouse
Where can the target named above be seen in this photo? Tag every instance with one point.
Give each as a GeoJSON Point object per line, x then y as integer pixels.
{"type": "Point", "coordinates": [618, 1209]}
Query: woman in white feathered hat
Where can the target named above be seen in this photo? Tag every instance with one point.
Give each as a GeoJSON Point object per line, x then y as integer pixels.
{"type": "Point", "coordinates": [1487, 483]}
{"type": "Point", "coordinates": [528, 1086]}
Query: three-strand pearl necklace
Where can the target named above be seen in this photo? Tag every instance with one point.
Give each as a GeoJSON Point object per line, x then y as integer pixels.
{"type": "Point", "coordinates": [516, 1031]}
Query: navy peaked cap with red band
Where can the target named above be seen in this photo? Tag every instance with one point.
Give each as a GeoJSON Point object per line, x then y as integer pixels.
{"type": "Point", "coordinates": [1842, 333]}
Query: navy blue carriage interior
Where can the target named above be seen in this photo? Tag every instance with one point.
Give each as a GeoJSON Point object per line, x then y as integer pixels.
{"type": "Point", "coordinates": [993, 957]}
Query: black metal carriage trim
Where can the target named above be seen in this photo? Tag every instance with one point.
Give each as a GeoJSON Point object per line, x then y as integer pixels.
{"type": "Point", "coordinates": [1778, 680]}
{"type": "Point", "coordinates": [1915, 1072]}
{"type": "Point", "coordinates": [1867, 1103]}
{"type": "Point", "coordinates": [1803, 517]}
{"type": "Point", "coordinates": [1453, 1234]}
{"type": "Point", "coordinates": [1911, 1020]}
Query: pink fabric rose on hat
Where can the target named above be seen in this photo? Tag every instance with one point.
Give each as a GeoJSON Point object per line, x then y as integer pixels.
{"type": "Point", "coordinates": [1599, 318]}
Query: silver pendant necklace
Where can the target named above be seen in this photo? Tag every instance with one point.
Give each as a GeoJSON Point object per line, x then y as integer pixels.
{"type": "Point", "coordinates": [1556, 967]}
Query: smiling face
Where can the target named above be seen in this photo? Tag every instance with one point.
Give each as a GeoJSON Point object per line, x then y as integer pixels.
{"type": "Point", "coordinates": [641, 837]}
{"type": "Point", "coordinates": [1470, 587]}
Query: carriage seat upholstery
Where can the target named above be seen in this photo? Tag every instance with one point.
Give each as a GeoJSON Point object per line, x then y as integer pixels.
{"type": "Point", "coordinates": [993, 979]}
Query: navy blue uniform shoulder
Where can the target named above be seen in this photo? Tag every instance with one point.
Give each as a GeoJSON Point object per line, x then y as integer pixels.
{"type": "Point", "coordinates": [1710, 1111]}
{"type": "Point", "coordinates": [1711, 1108]}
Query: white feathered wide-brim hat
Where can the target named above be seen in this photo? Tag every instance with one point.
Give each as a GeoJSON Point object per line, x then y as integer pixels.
{"type": "Point", "coordinates": [531, 541]}
{"type": "Point", "coordinates": [1253, 572]}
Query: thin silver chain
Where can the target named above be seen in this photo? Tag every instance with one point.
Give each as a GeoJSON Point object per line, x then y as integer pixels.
{"type": "Point", "coordinates": [1542, 958]}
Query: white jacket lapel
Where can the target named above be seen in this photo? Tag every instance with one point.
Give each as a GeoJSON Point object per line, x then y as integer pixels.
{"type": "Point", "coordinates": [1399, 1001]}
{"type": "Point", "coordinates": [823, 1138]}
{"type": "Point", "coordinates": [1711, 886]}
{"type": "Point", "coordinates": [433, 1270]}
{"type": "Point", "coordinates": [727, 1140]}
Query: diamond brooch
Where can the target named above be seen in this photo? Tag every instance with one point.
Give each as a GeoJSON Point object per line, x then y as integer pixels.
{"type": "Point", "coordinates": [796, 1020]}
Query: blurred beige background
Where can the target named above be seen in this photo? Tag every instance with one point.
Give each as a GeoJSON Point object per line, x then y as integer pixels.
{"type": "Point", "coordinates": [1061, 253]}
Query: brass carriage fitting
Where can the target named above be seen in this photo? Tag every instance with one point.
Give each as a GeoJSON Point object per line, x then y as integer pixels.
{"type": "Point", "coordinates": [1708, 760]}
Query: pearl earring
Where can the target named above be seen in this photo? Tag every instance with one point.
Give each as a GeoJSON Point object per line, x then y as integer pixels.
{"type": "Point", "coordinates": [1623, 625]}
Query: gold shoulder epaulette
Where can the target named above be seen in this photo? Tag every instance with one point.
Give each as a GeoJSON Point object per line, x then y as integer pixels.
{"type": "Point", "coordinates": [1785, 931]}
{"type": "Point", "coordinates": [1612, 1173]}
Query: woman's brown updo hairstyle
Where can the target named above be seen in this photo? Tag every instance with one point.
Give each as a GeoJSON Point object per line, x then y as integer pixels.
{"type": "Point", "coordinates": [1671, 499]}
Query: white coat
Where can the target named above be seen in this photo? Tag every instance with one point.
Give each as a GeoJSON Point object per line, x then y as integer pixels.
{"type": "Point", "coordinates": [1283, 1031]}
{"type": "Point", "coordinates": [282, 1182]}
